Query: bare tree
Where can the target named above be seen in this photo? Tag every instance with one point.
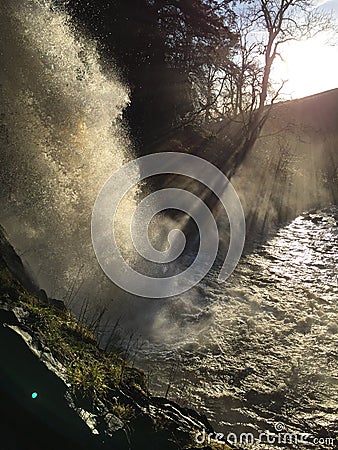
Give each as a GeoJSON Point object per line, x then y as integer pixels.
{"type": "Point", "coordinates": [264, 26]}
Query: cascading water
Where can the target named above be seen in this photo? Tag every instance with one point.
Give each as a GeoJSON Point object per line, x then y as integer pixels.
{"type": "Point", "coordinates": [60, 139]}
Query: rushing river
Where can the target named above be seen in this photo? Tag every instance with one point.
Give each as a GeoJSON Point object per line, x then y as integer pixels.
{"type": "Point", "coordinates": [261, 351]}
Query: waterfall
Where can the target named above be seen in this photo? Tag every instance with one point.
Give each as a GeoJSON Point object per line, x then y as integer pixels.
{"type": "Point", "coordinates": [61, 138]}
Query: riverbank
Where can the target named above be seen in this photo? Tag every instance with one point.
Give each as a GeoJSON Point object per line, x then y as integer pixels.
{"type": "Point", "coordinates": [61, 390]}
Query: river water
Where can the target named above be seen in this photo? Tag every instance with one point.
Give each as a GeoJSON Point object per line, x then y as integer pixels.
{"type": "Point", "coordinates": [260, 352]}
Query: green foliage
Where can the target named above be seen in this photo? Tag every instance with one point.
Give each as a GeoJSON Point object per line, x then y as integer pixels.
{"type": "Point", "coordinates": [88, 375]}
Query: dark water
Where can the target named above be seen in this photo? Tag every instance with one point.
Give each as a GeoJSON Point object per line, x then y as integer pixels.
{"type": "Point", "coordinates": [262, 349]}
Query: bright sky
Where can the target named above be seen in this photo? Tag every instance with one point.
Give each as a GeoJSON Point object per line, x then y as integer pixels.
{"type": "Point", "coordinates": [310, 66]}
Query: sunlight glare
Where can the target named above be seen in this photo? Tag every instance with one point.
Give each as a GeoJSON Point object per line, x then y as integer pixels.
{"type": "Point", "coordinates": [309, 67]}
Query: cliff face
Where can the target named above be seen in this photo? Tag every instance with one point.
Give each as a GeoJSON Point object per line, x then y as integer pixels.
{"type": "Point", "coordinates": [59, 390]}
